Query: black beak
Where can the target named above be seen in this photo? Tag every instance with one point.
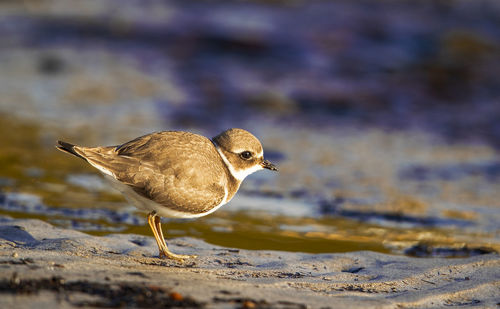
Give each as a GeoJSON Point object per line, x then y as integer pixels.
{"type": "Point", "coordinates": [268, 165]}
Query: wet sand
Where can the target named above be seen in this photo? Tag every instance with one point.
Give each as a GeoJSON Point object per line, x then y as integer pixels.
{"type": "Point", "coordinates": [51, 267]}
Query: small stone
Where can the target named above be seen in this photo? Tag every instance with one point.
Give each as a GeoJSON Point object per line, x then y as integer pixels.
{"type": "Point", "coordinates": [14, 255]}
{"type": "Point", "coordinates": [248, 304]}
{"type": "Point", "coordinates": [176, 296]}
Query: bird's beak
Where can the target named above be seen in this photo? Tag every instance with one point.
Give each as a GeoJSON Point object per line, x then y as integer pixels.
{"type": "Point", "coordinates": [268, 165]}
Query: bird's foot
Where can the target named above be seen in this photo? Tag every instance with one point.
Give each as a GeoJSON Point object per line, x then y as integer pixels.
{"type": "Point", "coordinates": [176, 257]}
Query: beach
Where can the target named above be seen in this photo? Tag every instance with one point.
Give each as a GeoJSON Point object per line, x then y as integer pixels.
{"type": "Point", "coordinates": [51, 267]}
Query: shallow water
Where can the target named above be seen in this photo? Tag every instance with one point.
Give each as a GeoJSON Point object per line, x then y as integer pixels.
{"type": "Point", "coordinates": [388, 153]}
{"type": "Point", "coordinates": [269, 212]}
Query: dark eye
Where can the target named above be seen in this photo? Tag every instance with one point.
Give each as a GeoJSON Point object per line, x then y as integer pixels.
{"type": "Point", "coordinates": [246, 155]}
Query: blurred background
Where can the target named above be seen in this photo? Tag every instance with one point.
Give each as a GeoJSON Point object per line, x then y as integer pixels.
{"type": "Point", "coordinates": [383, 116]}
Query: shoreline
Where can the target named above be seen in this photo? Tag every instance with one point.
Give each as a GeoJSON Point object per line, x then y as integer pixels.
{"type": "Point", "coordinates": [42, 264]}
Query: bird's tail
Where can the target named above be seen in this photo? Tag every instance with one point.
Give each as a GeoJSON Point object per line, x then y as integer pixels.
{"type": "Point", "coordinates": [69, 148]}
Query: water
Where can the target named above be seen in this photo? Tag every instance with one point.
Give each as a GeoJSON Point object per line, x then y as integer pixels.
{"type": "Point", "coordinates": [384, 137]}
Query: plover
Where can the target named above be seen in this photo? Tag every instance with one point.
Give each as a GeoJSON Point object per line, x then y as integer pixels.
{"type": "Point", "coordinates": [177, 174]}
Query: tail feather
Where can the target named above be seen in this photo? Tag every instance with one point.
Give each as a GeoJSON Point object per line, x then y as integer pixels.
{"type": "Point", "coordinates": [98, 157]}
{"type": "Point", "coordinates": [69, 148]}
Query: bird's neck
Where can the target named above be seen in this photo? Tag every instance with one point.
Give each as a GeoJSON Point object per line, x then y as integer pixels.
{"type": "Point", "coordinates": [234, 181]}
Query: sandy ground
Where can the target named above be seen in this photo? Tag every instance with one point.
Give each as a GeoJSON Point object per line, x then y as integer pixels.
{"type": "Point", "coordinates": [42, 265]}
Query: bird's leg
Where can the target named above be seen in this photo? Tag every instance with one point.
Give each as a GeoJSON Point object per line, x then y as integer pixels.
{"type": "Point", "coordinates": [165, 253]}
{"type": "Point", "coordinates": [152, 225]}
{"type": "Point", "coordinates": [155, 224]}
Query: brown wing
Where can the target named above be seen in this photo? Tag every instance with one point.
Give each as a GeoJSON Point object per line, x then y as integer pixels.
{"type": "Point", "coordinates": [179, 170]}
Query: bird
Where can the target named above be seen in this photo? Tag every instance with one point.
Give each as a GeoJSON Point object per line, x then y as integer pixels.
{"type": "Point", "coordinates": [176, 174]}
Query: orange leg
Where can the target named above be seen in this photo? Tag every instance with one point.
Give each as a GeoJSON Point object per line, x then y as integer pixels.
{"type": "Point", "coordinates": [151, 223]}
{"type": "Point", "coordinates": [155, 224]}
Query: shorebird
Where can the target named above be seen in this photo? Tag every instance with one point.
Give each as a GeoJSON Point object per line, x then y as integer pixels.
{"type": "Point", "coordinates": [177, 174]}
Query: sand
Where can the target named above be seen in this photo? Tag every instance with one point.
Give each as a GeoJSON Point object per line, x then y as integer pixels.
{"type": "Point", "coordinates": [42, 265]}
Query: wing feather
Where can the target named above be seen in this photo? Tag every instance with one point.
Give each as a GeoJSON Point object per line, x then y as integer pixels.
{"type": "Point", "coordinates": [179, 170]}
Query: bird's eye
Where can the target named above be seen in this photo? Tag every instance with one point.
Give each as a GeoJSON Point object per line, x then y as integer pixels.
{"type": "Point", "coordinates": [246, 155]}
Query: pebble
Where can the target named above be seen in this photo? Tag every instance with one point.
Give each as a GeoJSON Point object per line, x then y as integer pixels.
{"type": "Point", "coordinates": [176, 296]}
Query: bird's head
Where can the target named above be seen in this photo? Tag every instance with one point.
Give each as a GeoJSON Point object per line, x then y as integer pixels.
{"type": "Point", "coordinates": [241, 152]}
